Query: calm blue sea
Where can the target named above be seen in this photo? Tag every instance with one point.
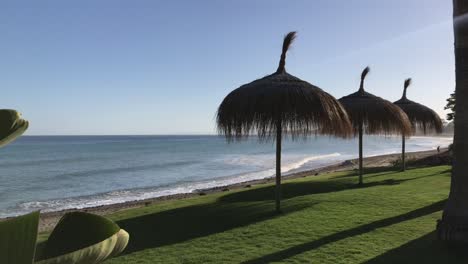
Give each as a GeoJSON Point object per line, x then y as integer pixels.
{"type": "Point", "coordinates": [61, 172]}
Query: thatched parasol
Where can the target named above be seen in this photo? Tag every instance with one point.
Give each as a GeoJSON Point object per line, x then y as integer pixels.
{"type": "Point", "coordinates": [281, 103]}
{"type": "Point", "coordinates": [419, 115]}
{"type": "Point", "coordinates": [11, 126]}
{"type": "Point", "coordinates": [373, 115]}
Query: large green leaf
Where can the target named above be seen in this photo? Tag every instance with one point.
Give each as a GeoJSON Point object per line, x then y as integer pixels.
{"type": "Point", "coordinates": [77, 230]}
{"type": "Point", "coordinates": [93, 254]}
{"type": "Point", "coordinates": [11, 126]}
{"type": "Point", "coordinates": [18, 239]}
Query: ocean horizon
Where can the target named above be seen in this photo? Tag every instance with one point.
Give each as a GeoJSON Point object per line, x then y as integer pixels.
{"type": "Point", "coordinates": [52, 173]}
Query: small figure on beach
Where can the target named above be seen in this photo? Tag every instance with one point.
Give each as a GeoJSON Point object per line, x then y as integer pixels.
{"type": "Point", "coordinates": [438, 149]}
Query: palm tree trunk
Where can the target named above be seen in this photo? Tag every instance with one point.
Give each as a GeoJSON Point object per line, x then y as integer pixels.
{"type": "Point", "coordinates": [360, 153]}
{"type": "Point", "coordinates": [403, 161]}
{"type": "Point", "coordinates": [278, 167]}
{"type": "Point", "coordinates": [454, 223]}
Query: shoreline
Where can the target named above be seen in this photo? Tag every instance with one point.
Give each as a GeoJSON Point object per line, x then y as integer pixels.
{"type": "Point", "coordinates": [49, 219]}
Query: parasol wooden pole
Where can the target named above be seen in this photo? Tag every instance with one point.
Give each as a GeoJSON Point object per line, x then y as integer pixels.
{"type": "Point", "coordinates": [278, 166]}
{"type": "Point", "coordinates": [403, 161]}
{"type": "Point", "coordinates": [360, 153]}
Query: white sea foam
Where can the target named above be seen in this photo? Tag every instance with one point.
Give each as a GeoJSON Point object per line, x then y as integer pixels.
{"type": "Point", "coordinates": [300, 163]}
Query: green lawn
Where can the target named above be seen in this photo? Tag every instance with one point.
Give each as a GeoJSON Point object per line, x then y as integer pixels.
{"type": "Point", "coordinates": [325, 219]}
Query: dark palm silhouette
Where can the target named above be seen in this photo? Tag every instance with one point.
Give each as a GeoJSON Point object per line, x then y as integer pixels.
{"type": "Point", "coordinates": [454, 223]}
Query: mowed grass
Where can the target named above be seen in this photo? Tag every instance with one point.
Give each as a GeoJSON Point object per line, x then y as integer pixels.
{"type": "Point", "coordinates": [325, 219]}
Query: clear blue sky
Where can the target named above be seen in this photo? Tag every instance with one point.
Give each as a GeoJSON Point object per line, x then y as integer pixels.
{"type": "Point", "coordinates": [163, 67]}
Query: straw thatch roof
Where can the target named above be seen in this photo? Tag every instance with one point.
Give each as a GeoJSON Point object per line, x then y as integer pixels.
{"type": "Point", "coordinates": [378, 116]}
{"type": "Point", "coordinates": [419, 115]}
{"type": "Point", "coordinates": [11, 126]}
{"type": "Point", "coordinates": [281, 98]}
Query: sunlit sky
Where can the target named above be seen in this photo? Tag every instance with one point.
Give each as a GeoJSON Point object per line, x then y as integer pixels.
{"type": "Point", "coordinates": [163, 67]}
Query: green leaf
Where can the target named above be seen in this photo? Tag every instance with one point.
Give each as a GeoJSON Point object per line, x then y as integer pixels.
{"type": "Point", "coordinates": [18, 239]}
{"type": "Point", "coordinates": [96, 253]}
{"type": "Point", "coordinates": [77, 230]}
{"type": "Point", "coordinates": [11, 126]}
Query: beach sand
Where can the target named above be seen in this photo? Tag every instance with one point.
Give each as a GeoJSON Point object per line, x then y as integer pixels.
{"type": "Point", "coordinates": [49, 219]}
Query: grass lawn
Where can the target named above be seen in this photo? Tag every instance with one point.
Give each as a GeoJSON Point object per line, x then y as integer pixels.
{"type": "Point", "coordinates": [325, 219]}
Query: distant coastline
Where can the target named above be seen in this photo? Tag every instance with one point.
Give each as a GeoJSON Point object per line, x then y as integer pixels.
{"type": "Point", "coordinates": [418, 134]}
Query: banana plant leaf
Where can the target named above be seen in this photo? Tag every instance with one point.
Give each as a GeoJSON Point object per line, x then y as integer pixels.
{"type": "Point", "coordinates": [17, 235]}
{"type": "Point", "coordinates": [82, 238]}
{"type": "Point", "coordinates": [18, 239]}
{"type": "Point", "coordinates": [11, 126]}
{"type": "Point", "coordinates": [93, 254]}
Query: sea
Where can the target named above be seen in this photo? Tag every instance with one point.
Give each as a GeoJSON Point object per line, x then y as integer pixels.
{"type": "Point", "coordinates": [52, 173]}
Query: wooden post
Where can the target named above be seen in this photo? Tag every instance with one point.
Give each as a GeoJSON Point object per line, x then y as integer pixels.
{"type": "Point", "coordinates": [360, 153]}
{"type": "Point", "coordinates": [403, 161]}
{"type": "Point", "coordinates": [278, 167]}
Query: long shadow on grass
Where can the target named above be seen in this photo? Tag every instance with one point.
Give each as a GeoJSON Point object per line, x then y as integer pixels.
{"type": "Point", "coordinates": [231, 211]}
{"type": "Point", "coordinates": [296, 189]}
{"type": "Point", "coordinates": [296, 250]}
{"type": "Point", "coordinates": [426, 249]}
{"type": "Point", "coordinates": [181, 224]}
